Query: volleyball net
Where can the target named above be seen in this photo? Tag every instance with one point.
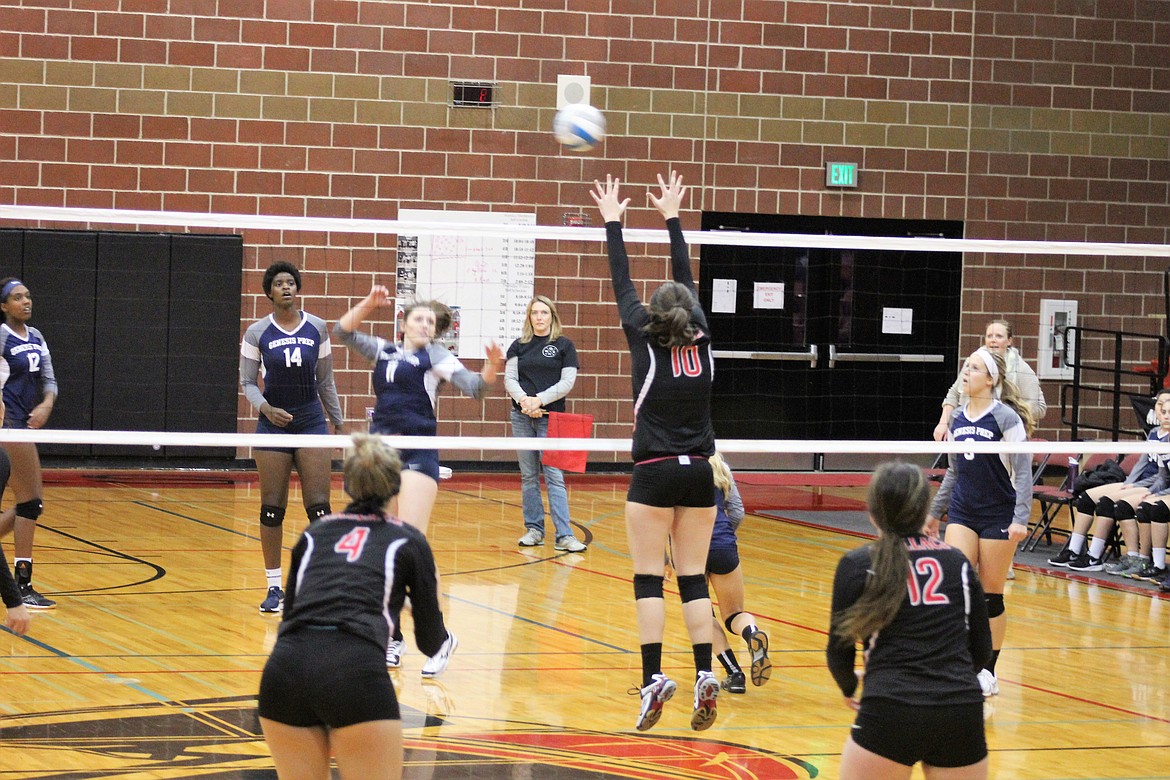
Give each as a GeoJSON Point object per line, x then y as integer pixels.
{"type": "Point", "coordinates": [832, 349]}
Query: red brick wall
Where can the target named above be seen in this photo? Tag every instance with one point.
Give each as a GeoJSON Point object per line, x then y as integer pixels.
{"type": "Point", "coordinates": [1049, 124]}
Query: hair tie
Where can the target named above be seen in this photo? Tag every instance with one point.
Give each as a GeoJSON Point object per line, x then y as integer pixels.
{"type": "Point", "coordinates": [8, 288]}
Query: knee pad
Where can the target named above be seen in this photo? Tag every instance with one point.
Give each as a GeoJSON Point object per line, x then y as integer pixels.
{"type": "Point", "coordinates": [31, 509]}
{"type": "Point", "coordinates": [1158, 513]}
{"type": "Point", "coordinates": [995, 606]}
{"type": "Point", "coordinates": [1085, 505]}
{"type": "Point", "coordinates": [271, 516]}
{"type": "Point", "coordinates": [729, 620]}
{"type": "Point", "coordinates": [1143, 514]}
{"type": "Point", "coordinates": [317, 511]}
{"type": "Point", "coordinates": [692, 587]}
{"type": "Point", "coordinates": [648, 586]}
{"type": "Point", "coordinates": [1105, 507]}
{"type": "Point", "coordinates": [1123, 510]}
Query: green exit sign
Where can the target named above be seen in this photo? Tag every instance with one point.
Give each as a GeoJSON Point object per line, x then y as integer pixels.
{"type": "Point", "coordinates": [840, 174]}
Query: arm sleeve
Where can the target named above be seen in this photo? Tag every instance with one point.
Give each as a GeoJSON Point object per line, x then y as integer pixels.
{"type": "Point", "coordinates": [978, 628]}
{"type": "Point", "coordinates": [250, 369]}
{"type": "Point", "coordinates": [48, 378]}
{"type": "Point", "coordinates": [1138, 465]}
{"type": "Point", "coordinates": [1029, 386]}
{"type": "Point", "coordinates": [8, 590]}
{"type": "Point", "coordinates": [942, 499]}
{"type": "Point", "coordinates": [952, 397]}
{"type": "Point", "coordinates": [448, 368]}
{"type": "Point", "coordinates": [1162, 481]}
{"type": "Point", "coordinates": [1020, 463]}
{"type": "Point", "coordinates": [360, 343]}
{"type": "Point", "coordinates": [561, 388]}
{"type": "Point", "coordinates": [630, 309]}
{"type": "Point", "coordinates": [733, 505]}
{"type": "Point", "coordinates": [840, 654]}
{"type": "Point", "coordinates": [512, 379]}
{"type": "Point", "coordinates": [294, 567]}
{"type": "Point", "coordinates": [327, 390]}
{"type": "Point", "coordinates": [680, 258]}
{"type": "Point", "coordinates": [429, 629]}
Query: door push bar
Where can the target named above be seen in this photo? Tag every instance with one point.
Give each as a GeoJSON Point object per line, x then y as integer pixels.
{"type": "Point", "coordinates": [811, 356]}
{"type": "Point", "coordinates": [879, 357]}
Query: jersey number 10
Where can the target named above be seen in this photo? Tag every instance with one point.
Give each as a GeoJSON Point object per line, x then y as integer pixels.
{"type": "Point", "coordinates": [685, 361]}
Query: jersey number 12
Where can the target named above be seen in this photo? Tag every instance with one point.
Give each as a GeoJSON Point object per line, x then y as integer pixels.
{"type": "Point", "coordinates": [927, 593]}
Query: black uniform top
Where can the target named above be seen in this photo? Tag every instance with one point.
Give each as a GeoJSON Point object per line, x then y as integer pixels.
{"type": "Point", "coordinates": [353, 571]}
{"type": "Point", "coordinates": [672, 385]}
{"type": "Point", "coordinates": [940, 638]}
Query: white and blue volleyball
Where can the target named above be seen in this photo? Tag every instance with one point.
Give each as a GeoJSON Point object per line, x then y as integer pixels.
{"type": "Point", "coordinates": [579, 127]}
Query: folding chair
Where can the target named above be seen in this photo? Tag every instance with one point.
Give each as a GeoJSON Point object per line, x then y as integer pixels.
{"type": "Point", "coordinates": [1053, 499]}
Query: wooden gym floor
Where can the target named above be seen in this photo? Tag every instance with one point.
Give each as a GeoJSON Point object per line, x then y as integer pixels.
{"type": "Point", "coordinates": [149, 666]}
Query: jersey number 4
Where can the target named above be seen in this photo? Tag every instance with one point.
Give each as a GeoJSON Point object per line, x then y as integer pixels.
{"type": "Point", "coordinates": [926, 592]}
{"type": "Point", "coordinates": [352, 544]}
{"type": "Point", "coordinates": [685, 361]}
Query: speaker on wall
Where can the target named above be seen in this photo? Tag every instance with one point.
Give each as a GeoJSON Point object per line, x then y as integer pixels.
{"type": "Point", "coordinates": [572, 90]}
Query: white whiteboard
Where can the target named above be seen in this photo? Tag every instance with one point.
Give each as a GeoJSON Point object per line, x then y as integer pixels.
{"type": "Point", "coordinates": [489, 279]}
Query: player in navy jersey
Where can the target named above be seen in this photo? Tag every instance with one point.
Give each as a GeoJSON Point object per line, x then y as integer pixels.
{"type": "Point", "coordinates": [540, 372]}
{"type": "Point", "coordinates": [987, 498]}
{"type": "Point", "coordinates": [671, 497]}
{"type": "Point", "coordinates": [325, 690]}
{"type": "Point", "coordinates": [30, 389]}
{"type": "Point", "coordinates": [726, 577]}
{"type": "Point", "coordinates": [290, 348]}
{"type": "Point", "coordinates": [916, 606]}
{"type": "Point", "coordinates": [406, 382]}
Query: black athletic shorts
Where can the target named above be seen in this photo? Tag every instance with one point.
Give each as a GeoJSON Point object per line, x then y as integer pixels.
{"type": "Point", "coordinates": [683, 480]}
{"type": "Point", "coordinates": [945, 736]}
{"type": "Point", "coordinates": [722, 560]}
{"type": "Point", "coordinates": [318, 677]}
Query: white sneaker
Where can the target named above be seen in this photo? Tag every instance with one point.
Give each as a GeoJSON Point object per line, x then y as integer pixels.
{"type": "Point", "coordinates": [532, 538]}
{"type": "Point", "coordinates": [659, 691]}
{"type": "Point", "coordinates": [569, 544]}
{"type": "Point", "coordinates": [706, 692]}
{"type": "Point", "coordinates": [437, 663]}
{"type": "Point", "coordinates": [394, 651]}
{"type": "Point", "coordinates": [989, 683]}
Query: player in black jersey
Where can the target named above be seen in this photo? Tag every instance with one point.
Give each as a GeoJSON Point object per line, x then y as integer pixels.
{"type": "Point", "coordinates": [671, 497]}
{"type": "Point", "coordinates": [916, 605]}
{"type": "Point", "coordinates": [325, 690]}
{"type": "Point", "coordinates": [16, 618]}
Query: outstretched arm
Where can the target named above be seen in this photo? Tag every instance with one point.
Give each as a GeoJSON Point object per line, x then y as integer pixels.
{"type": "Point", "coordinates": [612, 208]}
{"type": "Point", "coordinates": [668, 204]}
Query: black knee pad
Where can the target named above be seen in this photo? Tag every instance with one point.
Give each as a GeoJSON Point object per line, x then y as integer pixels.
{"type": "Point", "coordinates": [1105, 507]}
{"type": "Point", "coordinates": [1143, 514]}
{"type": "Point", "coordinates": [271, 516]}
{"type": "Point", "coordinates": [1123, 510]}
{"type": "Point", "coordinates": [1158, 513]}
{"type": "Point", "coordinates": [317, 511]}
{"type": "Point", "coordinates": [995, 606]}
{"type": "Point", "coordinates": [648, 586]}
{"type": "Point", "coordinates": [31, 509]}
{"type": "Point", "coordinates": [727, 622]}
{"type": "Point", "coordinates": [692, 587]}
{"type": "Point", "coordinates": [1085, 505]}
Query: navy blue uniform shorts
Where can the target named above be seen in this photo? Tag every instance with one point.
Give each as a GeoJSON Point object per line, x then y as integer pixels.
{"type": "Point", "coordinates": [306, 419]}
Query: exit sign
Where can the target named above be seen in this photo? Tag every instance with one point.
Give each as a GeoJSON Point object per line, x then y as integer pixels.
{"type": "Point", "coordinates": [840, 174]}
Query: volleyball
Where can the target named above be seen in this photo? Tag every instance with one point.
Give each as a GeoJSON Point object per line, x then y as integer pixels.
{"type": "Point", "coordinates": [579, 127]}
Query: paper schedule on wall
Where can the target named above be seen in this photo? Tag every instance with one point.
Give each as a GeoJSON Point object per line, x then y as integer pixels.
{"type": "Point", "coordinates": [487, 279]}
{"type": "Point", "coordinates": [897, 321]}
{"type": "Point", "coordinates": [768, 295]}
{"type": "Point", "coordinates": [723, 296]}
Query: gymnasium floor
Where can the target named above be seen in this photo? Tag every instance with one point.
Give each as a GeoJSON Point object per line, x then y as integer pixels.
{"type": "Point", "coordinates": [149, 667]}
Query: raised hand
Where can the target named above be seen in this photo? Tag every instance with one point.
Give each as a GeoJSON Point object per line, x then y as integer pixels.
{"type": "Point", "coordinates": [607, 199]}
{"type": "Point", "coordinates": [673, 193]}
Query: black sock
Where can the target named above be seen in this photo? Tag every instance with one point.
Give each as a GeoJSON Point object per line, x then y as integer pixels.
{"type": "Point", "coordinates": [994, 659]}
{"type": "Point", "coordinates": [730, 665]}
{"type": "Point", "coordinates": [702, 657]}
{"type": "Point", "coordinates": [23, 571]}
{"type": "Point", "coordinates": [651, 662]}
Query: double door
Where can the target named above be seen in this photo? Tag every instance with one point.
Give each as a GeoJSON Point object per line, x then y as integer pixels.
{"type": "Point", "coordinates": [830, 344]}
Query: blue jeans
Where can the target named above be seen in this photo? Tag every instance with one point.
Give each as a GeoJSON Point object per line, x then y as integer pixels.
{"type": "Point", "coordinates": [527, 427]}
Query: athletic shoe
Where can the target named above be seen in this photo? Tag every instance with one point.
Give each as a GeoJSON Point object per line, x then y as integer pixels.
{"type": "Point", "coordinates": [989, 683]}
{"type": "Point", "coordinates": [757, 642]}
{"type": "Point", "coordinates": [274, 601]}
{"type": "Point", "coordinates": [532, 538]}
{"type": "Point", "coordinates": [654, 695]}
{"type": "Point", "coordinates": [437, 663]}
{"type": "Point", "coordinates": [569, 544]}
{"type": "Point", "coordinates": [1152, 574]}
{"type": "Point", "coordinates": [34, 600]}
{"type": "Point", "coordinates": [1164, 585]}
{"type": "Point", "coordinates": [1132, 574]}
{"type": "Point", "coordinates": [1063, 558]}
{"type": "Point", "coordinates": [1085, 562]}
{"type": "Point", "coordinates": [706, 691]}
{"type": "Point", "coordinates": [394, 650]}
{"type": "Point", "coordinates": [736, 682]}
{"type": "Point", "coordinates": [1123, 563]}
